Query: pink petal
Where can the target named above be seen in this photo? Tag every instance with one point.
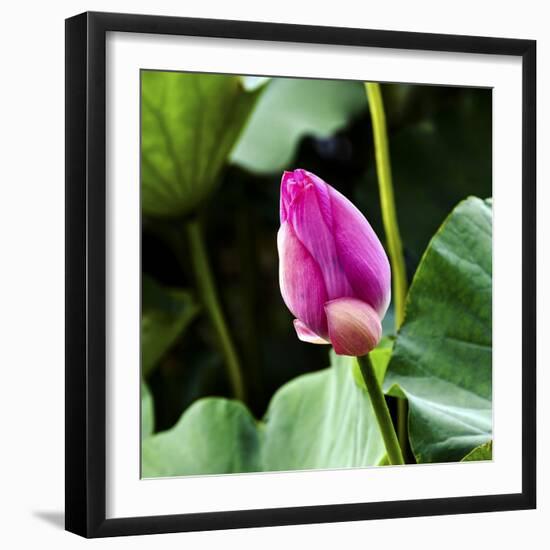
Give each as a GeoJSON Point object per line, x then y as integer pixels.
{"type": "Point", "coordinates": [360, 254]}
{"type": "Point", "coordinates": [306, 335]}
{"type": "Point", "coordinates": [323, 195]}
{"type": "Point", "coordinates": [286, 199]}
{"type": "Point", "coordinates": [309, 212]}
{"type": "Point", "coordinates": [354, 326]}
{"type": "Point", "coordinates": [292, 183]}
{"type": "Point", "coordinates": [301, 281]}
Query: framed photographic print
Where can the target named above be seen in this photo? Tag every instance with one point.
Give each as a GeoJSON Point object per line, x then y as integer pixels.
{"type": "Point", "coordinates": [300, 274]}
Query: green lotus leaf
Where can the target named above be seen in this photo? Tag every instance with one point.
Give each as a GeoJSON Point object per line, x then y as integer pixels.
{"type": "Point", "coordinates": [442, 356]}
{"type": "Point", "coordinates": [318, 420]}
{"type": "Point", "coordinates": [189, 124]}
{"type": "Point", "coordinates": [286, 113]}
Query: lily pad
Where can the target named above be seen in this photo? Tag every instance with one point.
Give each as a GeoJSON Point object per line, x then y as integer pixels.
{"type": "Point", "coordinates": [318, 420]}
{"type": "Point", "coordinates": [189, 124]}
{"type": "Point", "coordinates": [290, 109]}
{"type": "Point", "coordinates": [442, 357]}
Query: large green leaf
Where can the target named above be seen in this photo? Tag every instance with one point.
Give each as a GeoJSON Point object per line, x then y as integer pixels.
{"type": "Point", "coordinates": [442, 358]}
{"type": "Point", "coordinates": [189, 124]}
{"type": "Point", "coordinates": [483, 452]}
{"type": "Point", "coordinates": [214, 436]}
{"type": "Point", "coordinates": [165, 315]}
{"type": "Point", "coordinates": [322, 420]}
{"type": "Point", "coordinates": [290, 109]}
{"type": "Point", "coordinates": [318, 420]}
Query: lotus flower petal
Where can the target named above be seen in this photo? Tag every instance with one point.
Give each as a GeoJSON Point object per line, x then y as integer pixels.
{"type": "Point", "coordinates": [292, 183]}
{"type": "Point", "coordinates": [361, 254]}
{"type": "Point", "coordinates": [307, 335]}
{"type": "Point", "coordinates": [354, 326]}
{"type": "Point", "coordinates": [301, 281]}
{"type": "Point", "coordinates": [308, 216]}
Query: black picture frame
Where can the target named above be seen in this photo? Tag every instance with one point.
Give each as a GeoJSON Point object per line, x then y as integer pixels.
{"type": "Point", "coordinates": [86, 284]}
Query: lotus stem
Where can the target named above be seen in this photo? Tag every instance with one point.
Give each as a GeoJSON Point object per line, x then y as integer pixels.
{"type": "Point", "coordinates": [211, 302]}
{"type": "Point", "coordinates": [391, 227]}
{"type": "Point", "coordinates": [393, 449]}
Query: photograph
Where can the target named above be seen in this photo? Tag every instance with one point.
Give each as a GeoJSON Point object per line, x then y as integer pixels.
{"type": "Point", "coordinates": [316, 274]}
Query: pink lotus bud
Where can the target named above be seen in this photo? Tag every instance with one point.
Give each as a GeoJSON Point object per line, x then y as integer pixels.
{"type": "Point", "coordinates": [333, 272]}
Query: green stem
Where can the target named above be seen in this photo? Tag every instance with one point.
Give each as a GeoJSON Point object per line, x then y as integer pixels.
{"type": "Point", "coordinates": [387, 201]}
{"type": "Point", "coordinates": [391, 227]}
{"type": "Point", "coordinates": [210, 299]}
{"type": "Point", "coordinates": [393, 449]}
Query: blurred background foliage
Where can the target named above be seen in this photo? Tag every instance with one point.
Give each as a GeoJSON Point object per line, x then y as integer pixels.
{"type": "Point", "coordinates": [239, 135]}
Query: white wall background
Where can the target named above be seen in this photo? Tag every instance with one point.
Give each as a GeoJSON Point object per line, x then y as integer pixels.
{"type": "Point", "coordinates": [32, 271]}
